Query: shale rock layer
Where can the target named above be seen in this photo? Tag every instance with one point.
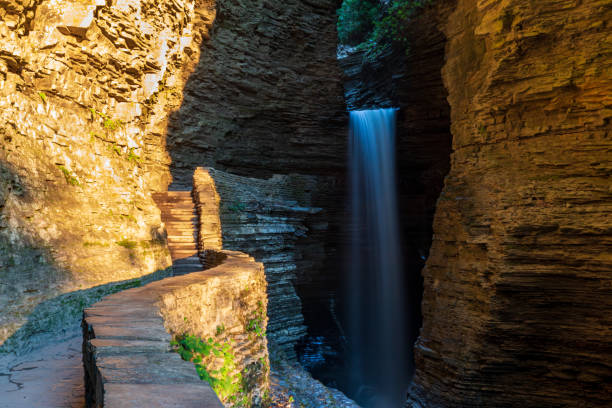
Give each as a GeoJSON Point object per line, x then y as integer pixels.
{"type": "Point", "coordinates": [85, 90]}
{"type": "Point", "coordinates": [265, 96]}
{"type": "Point", "coordinates": [517, 307]}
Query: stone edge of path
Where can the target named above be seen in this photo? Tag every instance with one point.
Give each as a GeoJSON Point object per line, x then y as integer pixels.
{"type": "Point", "coordinates": [127, 357]}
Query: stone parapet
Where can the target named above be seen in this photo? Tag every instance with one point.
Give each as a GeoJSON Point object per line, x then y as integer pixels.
{"type": "Point", "coordinates": [127, 354]}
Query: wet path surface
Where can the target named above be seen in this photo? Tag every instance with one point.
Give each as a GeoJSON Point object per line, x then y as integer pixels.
{"type": "Point", "coordinates": [50, 377]}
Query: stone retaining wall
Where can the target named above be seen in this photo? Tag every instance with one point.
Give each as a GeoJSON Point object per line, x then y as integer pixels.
{"type": "Point", "coordinates": [126, 347]}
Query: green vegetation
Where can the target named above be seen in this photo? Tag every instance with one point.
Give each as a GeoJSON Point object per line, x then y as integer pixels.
{"type": "Point", "coordinates": [126, 243]}
{"type": "Point", "coordinates": [220, 329]}
{"type": "Point", "coordinates": [356, 20]}
{"type": "Point", "coordinates": [374, 26]}
{"type": "Point", "coordinates": [131, 156]}
{"type": "Point", "coordinates": [255, 323]}
{"type": "Point", "coordinates": [108, 123]}
{"type": "Point", "coordinates": [227, 380]}
{"type": "Point", "coordinates": [70, 178]}
{"type": "Point", "coordinates": [43, 97]}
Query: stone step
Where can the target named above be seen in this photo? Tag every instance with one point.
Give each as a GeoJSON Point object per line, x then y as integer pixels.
{"type": "Point", "coordinates": [183, 247]}
{"type": "Point", "coordinates": [183, 253]}
{"type": "Point", "coordinates": [181, 238]}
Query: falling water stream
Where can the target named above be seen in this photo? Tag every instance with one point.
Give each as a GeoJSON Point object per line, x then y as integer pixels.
{"type": "Point", "coordinates": [377, 329]}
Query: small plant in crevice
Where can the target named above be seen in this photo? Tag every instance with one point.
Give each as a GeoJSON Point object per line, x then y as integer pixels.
{"type": "Point", "coordinates": [43, 96]}
{"type": "Point", "coordinates": [109, 124]}
{"type": "Point", "coordinates": [226, 380]}
{"type": "Point", "coordinates": [255, 322]}
{"type": "Point", "coordinates": [133, 157]}
{"type": "Point", "coordinates": [70, 178]}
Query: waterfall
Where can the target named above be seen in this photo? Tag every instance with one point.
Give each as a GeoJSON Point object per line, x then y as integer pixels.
{"type": "Point", "coordinates": [377, 328]}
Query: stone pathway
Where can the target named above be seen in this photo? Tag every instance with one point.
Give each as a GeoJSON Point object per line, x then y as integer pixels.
{"type": "Point", "coordinates": [51, 377]}
{"type": "Point", "coordinates": [179, 215]}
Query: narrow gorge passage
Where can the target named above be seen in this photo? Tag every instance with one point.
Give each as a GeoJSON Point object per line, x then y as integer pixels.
{"type": "Point", "coordinates": [377, 328]}
{"type": "Point", "coordinates": [486, 282]}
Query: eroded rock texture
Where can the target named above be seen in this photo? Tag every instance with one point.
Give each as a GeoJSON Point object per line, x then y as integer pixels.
{"type": "Point", "coordinates": [274, 221]}
{"type": "Point", "coordinates": [517, 307]}
{"type": "Point", "coordinates": [266, 98]}
{"type": "Point", "coordinates": [266, 95]}
{"type": "Point", "coordinates": [85, 91]}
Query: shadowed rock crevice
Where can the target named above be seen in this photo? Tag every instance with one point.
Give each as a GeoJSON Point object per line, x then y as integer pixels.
{"type": "Point", "coordinates": [264, 97]}
{"type": "Point", "coordinates": [412, 83]}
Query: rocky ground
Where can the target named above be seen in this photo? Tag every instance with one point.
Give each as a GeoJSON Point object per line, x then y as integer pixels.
{"type": "Point", "coordinates": [294, 387]}
{"type": "Point", "coordinates": [50, 377]}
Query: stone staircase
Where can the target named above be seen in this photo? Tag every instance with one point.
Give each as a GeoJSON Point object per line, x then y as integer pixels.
{"type": "Point", "coordinates": [179, 214]}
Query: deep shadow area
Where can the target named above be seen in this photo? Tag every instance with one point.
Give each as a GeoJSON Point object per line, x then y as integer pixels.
{"type": "Point", "coordinates": [266, 97]}
{"type": "Point", "coordinates": [424, 144]}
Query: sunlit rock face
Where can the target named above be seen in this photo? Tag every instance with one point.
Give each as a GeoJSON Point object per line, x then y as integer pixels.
{"type": "Point", "coordinates": [517, 304]}
{"type": "Point", "coordinates": [85, 91]}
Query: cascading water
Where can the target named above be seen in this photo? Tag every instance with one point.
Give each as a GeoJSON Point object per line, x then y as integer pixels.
{"type": "Point", "coordinates": [377, 329]}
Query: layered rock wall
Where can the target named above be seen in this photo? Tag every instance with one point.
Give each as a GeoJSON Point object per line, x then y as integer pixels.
{"type": "Point", "coordinates": [266, 95]}
{"type": "Point", "coordinates": [273, 220]}
{"type": "Point", "coordinates": [85, 91]}
{"type": "Point", "coordinates": [517, 303]}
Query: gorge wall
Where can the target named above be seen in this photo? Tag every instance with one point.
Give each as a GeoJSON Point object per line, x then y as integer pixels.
{"type": "Point", "coordinates": [516, 295]}
{"type": "Point", "coordinates": [104, 103]}
{"type": "Point", "coordinates": [82, 147]}
{"type": "Point", "coordinates": [265, 96]}
{"type": "Point", "coordinates": [265, 102]}
{"type": "Point", "coordinates": [517, 304]}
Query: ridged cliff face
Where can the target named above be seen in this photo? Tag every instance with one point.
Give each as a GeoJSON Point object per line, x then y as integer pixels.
{"type": "Point", "coordinates": [266, 98]}
{"type": "Point", "coordinates": [85, 90]}
{"type": "Point", "coordinates": [266, 95]}
{"type": "Point", "coordinates": [101, 101]}
{"type": "Point", "coordinates": [517, 308]}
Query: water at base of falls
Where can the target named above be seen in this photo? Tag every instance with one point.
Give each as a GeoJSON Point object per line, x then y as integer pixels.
{"type": "Point", "coordinates": [377, 333]}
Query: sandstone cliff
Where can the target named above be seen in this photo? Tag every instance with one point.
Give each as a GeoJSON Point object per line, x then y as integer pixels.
{"type": "Point", "coordinates": [517, 308]}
